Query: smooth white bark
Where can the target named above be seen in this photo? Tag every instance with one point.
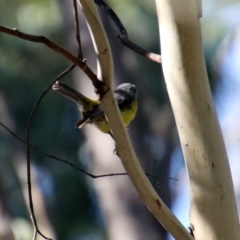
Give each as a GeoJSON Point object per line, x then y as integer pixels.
{"type": "Point", "coordinates": [213, 210]}
{"type": "Point", "coordinates": [123, 144]}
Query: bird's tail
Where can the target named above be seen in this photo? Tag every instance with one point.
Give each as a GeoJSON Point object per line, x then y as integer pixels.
{"type": "Point", "coordinates": [86, 103]}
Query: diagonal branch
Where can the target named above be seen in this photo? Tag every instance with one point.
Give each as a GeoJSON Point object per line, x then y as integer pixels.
{"type": "Point", "coordinates": [123, 145]}
{"type": "Point", "coordinates": [41, 39]}
{"type": "Point", "coordinates": [124, 35]}
{"type": "Point", "coordinates": [71, 164]}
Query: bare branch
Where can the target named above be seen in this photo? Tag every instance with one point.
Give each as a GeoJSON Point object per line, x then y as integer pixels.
{"type": "Point", "coordinates": [41, 39]}
{"type": "Point", "coordinates": [124, 35]}
{"type": "Point", "coordinates": [77, 31]}
{"type": "Point", "coordinates": [71, 164]}
{"type": "Point", "coordinates": [32, 213]}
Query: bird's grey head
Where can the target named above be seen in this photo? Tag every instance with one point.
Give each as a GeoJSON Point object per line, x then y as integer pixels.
{"type": "Point", "coordinates": [128, 88]}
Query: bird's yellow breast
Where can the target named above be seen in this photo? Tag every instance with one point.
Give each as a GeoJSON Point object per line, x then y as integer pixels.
{"type": "Point", "coordinates": [128, 114]}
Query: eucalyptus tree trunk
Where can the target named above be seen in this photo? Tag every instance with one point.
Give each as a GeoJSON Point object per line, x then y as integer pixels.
{"type": "Point", "coordinates": [213, 212]}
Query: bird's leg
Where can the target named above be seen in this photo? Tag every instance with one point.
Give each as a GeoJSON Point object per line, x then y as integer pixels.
{"type": "Point", "coordinates": [110, 133]}
{"type": "Point", "coordinates": [115, 149]}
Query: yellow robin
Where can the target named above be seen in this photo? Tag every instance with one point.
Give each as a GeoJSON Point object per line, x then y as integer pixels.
{"type": "Point", "coordinates": [126, 97]}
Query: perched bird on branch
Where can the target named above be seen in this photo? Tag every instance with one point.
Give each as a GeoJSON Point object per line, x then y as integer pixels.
{"type": "Point", "coordinates": [126, 97]}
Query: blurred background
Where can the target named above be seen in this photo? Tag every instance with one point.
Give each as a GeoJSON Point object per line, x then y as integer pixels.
{"type": "Point", "coordinates": [69, 204]}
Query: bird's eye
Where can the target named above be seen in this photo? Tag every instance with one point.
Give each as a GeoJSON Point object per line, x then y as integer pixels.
{"type": "Point", "coordinates": [133, 89]}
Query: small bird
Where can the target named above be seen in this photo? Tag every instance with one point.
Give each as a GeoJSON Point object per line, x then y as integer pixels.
{"type": "Point", "coordinates": [126, 97]}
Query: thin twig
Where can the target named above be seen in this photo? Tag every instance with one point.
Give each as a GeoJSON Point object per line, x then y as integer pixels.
{"type": "Point", "coordinates": [35, 234]}
{"type": "Point", "coordinates": [77, 30]}
{"type": "Point", "coordinates": [32, 213]}
{"type": "Point", "coordinates": [71, 164]}
{"type": "Point", "coordinates": [41, 39]}
{"type": "Point", "coordinates": [124, 35]}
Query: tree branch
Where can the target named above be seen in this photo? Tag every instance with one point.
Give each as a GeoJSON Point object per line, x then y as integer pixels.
{"type": "Point", "coordinates": [31, 205]}
{"type": "Point", "coordinates": [71, 164]}
{"type": "Point", "coordinates": [41, 39]}
{"type": "Point", "coordinates": [77, 31]}
{"type": "Point", "coordinates": [124, 35]}
{"type": "Point", "coordinates": [123, 144]}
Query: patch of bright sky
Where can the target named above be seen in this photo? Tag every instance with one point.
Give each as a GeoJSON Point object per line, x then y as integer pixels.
{"type": "Point", "coordinates": [227, 104]}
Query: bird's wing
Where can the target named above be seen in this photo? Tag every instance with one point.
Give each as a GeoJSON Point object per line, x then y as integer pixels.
{"type": "Point", "coordinates": [97, 112]}
{"type": "Point", "coordinates": [82, 122]}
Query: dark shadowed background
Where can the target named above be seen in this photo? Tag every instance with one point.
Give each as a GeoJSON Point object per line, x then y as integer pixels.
{"type": "Point", "coordinates": [69, 204]}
